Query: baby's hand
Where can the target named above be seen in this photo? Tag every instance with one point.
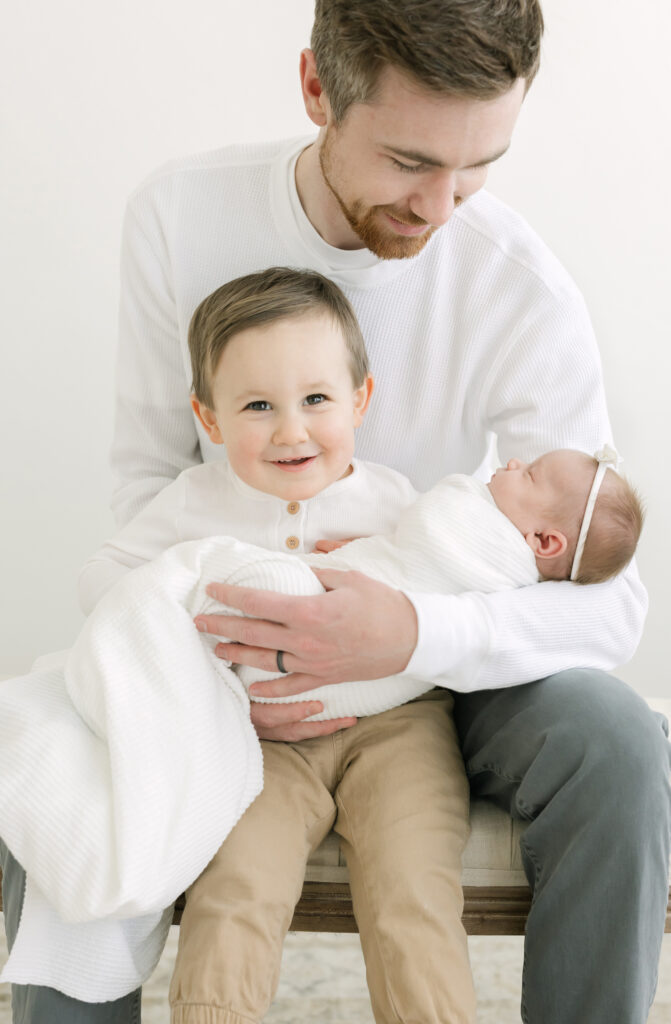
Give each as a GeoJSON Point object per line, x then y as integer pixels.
{"type": "Point", "coordinates": [331, 545]}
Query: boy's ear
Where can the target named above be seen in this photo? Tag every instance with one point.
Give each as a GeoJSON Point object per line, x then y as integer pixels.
{"type": "Point", "coordinates": [208, 419]}
{"type": "Point", "coordinates": [316, 104]}
{"type": "Point", "coordinates": [362, 398]}
{"type": "Point", "coordinates": [547, 543]}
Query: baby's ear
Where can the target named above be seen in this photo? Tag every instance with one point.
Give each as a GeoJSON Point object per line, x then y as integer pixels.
{"type": "Point", "coordinates": [547, 543]}
{"type": "Point", "coordinates": [208, 419]}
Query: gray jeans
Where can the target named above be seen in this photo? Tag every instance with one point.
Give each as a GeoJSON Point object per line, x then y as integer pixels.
{"type": "Point", "coordinates": [581, 757]}
{"type": "Point", "coordinates": [36, 1004]}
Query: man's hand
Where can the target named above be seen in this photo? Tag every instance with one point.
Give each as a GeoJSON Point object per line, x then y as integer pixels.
{"type": "Point", "coordinates": [284, 721]}
{"type": "Point", "coordinates": [359, 629]}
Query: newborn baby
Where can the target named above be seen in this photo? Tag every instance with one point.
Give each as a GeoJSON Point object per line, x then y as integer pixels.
{"type": "Point", "coordinates": [566, 515]}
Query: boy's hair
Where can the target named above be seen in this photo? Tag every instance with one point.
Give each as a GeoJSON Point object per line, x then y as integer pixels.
{"type": "Point", "coordinates": [614, 530]}
{"type": "Point", "coordinates": [473, 48]}
{"type": "Point", "coordinates": [278, 293]}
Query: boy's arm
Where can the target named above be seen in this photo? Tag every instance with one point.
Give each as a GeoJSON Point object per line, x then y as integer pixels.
{"type": "Point", "coordinates": [152, 531]}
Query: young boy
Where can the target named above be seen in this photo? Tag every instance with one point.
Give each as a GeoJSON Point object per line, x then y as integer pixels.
{"type": "Point", "coordinates": [280, 377]}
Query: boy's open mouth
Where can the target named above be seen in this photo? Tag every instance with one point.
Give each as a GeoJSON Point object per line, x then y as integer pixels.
{"type": "Point", "coordinates": [295, 463]}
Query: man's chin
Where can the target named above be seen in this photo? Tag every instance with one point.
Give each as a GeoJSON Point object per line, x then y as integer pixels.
{"type": "Point", "coordinates": [390, 246]}
{"type": "Point", "coordinates": [387, 245]}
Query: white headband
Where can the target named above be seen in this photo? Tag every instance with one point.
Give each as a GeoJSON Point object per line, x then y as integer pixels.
{"type": "Point", "coordinates": [606, 457]}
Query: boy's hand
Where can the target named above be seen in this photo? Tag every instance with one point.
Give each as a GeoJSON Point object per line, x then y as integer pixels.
{"type": "Point", "coordinates": [332, 545]}
{"type": "Point", "coordinates": [359, 629]}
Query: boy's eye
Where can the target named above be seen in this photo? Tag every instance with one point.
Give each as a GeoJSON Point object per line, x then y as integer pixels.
{"type": "Point", "coordinates": [315, 399]}
{"type": "Point", "coordinates": [259, 406]}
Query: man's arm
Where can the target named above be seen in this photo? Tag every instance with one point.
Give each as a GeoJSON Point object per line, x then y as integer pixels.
{"type": "Point", "coordinates": [544, 391]}
{"type": "Point", "coordinates": [488, 641]}
{"type": "Point", "coordinates": [152, 531]}
{"type": "Point", "coordinates": [363, 629]}
{"type": "Point", "coordinates": [155, 436]}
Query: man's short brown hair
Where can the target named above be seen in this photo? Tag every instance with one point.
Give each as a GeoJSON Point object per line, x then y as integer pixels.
{"type": "Point", "coordinates": [278, 293]}
{"type": "Point", "coordinates": [473, 48]}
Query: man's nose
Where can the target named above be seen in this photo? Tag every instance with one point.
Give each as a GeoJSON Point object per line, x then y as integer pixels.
{"type": "Point", "coordinates": [436, 201]}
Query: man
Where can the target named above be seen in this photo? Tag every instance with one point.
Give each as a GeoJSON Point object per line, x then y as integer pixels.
{"type": "Point", "coordinates": [472, 328]}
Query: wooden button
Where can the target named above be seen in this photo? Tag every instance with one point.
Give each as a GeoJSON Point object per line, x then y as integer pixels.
{"type": "Point", "coordinates": [292, 542]}
{"type": "Point", "coordinates": [293, 507]}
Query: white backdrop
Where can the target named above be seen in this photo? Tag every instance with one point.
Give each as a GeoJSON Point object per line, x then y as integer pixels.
{"type": "Point", "coordinates": [94, 97]}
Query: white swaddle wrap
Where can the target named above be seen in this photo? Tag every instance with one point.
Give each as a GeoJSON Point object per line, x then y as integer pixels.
{"type": "Point", "coordinates": [121, 774]}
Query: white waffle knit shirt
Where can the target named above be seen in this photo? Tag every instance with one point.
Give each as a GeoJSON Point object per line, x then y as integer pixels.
{"type": "Point", "coordinates": [483, 333]}
{"type": "Point", "coordinates": [142, 746]}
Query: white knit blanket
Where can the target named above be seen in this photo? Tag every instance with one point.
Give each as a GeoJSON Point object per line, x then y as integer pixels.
{"type": "Point", "coordinates": [121, 775]}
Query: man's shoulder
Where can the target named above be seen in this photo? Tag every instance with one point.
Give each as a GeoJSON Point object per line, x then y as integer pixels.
{"type": "Point", "coordinates": [489, 222]}
{"type": "Point", "coordinates": [222, 161]}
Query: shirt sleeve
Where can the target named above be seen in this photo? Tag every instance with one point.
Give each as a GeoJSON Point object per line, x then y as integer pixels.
{"type": "Point", "coordinates": [155, 436]}
{"type": "Point", "coordinates": [152, 531]}
{"type": "Point", "coordinates": [545, 391]}
{"type": "Point", "coordinates": [488, 641]}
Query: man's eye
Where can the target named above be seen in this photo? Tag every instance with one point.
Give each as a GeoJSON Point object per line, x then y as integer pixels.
{"type": "Point", "coordinates": [406, 168]}
{"type": "Point", "coordinates": [259, 406]}
{"type": "Point", "coordinates": [315, 399]}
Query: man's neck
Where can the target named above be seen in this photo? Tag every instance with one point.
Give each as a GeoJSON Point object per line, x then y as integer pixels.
{"type": "Point", "coordinates": [320, 205]}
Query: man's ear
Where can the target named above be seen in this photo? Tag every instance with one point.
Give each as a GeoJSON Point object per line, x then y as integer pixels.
{"type": "Point", "coordinates": [316, 104]}
{"type": "Point", "coordinates": [208, 419]}
{"type": "Point", "coordinates": [362, 398]}
{"type": "Point", "coordinates": [547, 543]}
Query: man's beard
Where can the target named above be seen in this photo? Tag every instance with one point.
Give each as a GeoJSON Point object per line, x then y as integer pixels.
{"type": "Point", "coordinates": [367, 221]}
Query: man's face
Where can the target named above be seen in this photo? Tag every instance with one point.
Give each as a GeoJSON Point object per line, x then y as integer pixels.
{"type": "Point", "coordinates": [399, 165]}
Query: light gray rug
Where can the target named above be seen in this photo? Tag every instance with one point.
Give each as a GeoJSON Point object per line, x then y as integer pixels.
{"type": "Point", "coordinates": [323, 980]}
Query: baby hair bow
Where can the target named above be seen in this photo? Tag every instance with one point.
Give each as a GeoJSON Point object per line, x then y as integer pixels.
{"type": "Point", "coordinates": [607, 458]}
{"type": "Point", "coordinates": [608, 455]}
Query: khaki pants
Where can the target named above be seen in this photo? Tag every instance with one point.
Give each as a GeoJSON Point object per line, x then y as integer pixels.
{"type": "Point", "coordinates": [394, 788]}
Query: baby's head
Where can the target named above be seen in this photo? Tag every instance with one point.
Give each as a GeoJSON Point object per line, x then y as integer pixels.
{"type": "Point", "coordinates": [547, 501]}
{"type": "Point", "coordinates": [280, 376]}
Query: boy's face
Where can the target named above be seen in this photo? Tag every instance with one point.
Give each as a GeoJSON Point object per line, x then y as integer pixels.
{"type": "Point", "coordinates": [285, 406]}
{"type": "Point", "coordinates": [530, 494]}
{"type": "Point", "coordinates": [400, 164]}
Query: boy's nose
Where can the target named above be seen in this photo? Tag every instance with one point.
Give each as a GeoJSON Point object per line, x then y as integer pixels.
{"type": "Point", "coordinates": [513, 464]}
{"type": "Point", "coordinates": [289, 430]}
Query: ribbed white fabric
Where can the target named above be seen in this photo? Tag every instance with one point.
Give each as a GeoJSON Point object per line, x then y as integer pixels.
{"type": "Point", "coordinates": [210, 500]}
{"type": "Point", "coordinates": [143, 748]}
{"type": "Point", "coordinates": [451, 539]}
{"type": "Point", "coordinates": [482, 332]}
